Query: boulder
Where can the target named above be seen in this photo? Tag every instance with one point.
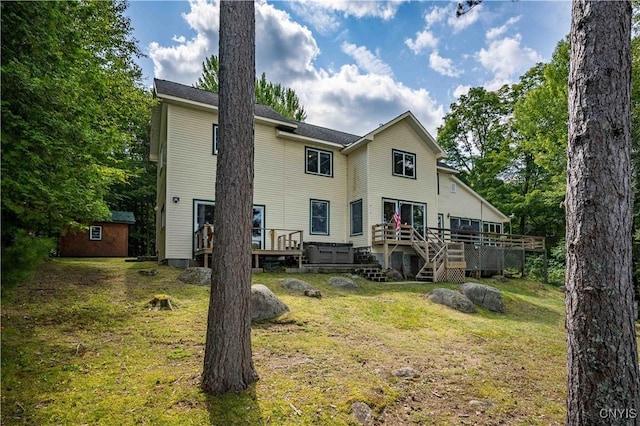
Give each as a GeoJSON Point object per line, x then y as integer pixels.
{"type": "Point", "coordinates": [265, 304]}
{"type": "Point", "coordinates": [197, 276]}
{"type": "Point", "coordinates": [452, 299]}
{"type": "Point", "coordinates": [361, 412]}
{"type": "Point", "coordinates": [483, 295]}
{"type": "Point", "coordinates": [343, 283]}
{"type": "Point", "coordinates": [393, 275]}
{"type": "Point", "coordinates": [406, 372]}
{"type": "Point", "coordinates": [313, 293]}
{"type": "Point", "coordinates": [295, 284]}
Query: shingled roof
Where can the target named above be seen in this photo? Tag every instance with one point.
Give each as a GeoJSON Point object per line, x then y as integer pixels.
{"type": "Point", "coordinates": [181, 91]}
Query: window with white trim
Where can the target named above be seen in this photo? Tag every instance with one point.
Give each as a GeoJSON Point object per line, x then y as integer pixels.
{"type": "Point", "coordinates": [215, 139]}
{"type": "Point", "coordinates": [454, 187]}
{"type": "Point", "coordinates": [95, 233]}
{"type": "Point", "coordinates": [492, 227]}
{"type": "Point", "coordinates": [404, 164]}
{"type": "Point", "coordinates": [319, 217]}
{"type": "Point", "coordinates": [318, 162]}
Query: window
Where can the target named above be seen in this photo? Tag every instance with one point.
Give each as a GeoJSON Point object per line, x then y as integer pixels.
{"type": "Point", "coordinates": [356, 217]}
{"type": "Point", "coordinates": [465, 230]}
{"type": "Point", "coordinates": [319, 162]}
{"type": "Point", "coordinates": [319, 217]}
{"type": "Point", "coordinates": [215, 139]}
{"type": "Point", "coordinates": [95, 233]}
{"type": "Point", "coordinates": [492, 227]}
{"type": "Point", "coordinates": [404, 164]}
{"type": "Point", "coordinates": [453, 187]}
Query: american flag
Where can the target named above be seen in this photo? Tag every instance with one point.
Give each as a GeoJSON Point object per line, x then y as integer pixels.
{"type": "Point", "coordinates": [396, 219]}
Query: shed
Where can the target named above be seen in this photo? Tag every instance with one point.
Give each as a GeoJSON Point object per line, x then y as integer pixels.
{"type": "Point", "coordinates": [102, 239]}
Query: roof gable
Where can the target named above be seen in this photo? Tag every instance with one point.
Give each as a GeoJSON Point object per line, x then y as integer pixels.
{"type": "Point", "coordinates": [411, 119]}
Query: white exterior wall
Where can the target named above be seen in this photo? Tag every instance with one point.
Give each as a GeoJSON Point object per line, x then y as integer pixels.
{"type": "Point", "coordinates": [463, 203]}
{"type": "Point", "coordinates": [300, 188]}
{"type": "Point", "coordinates": [382, 182]}
{"type": "Point", "coordinates": [357, 188]}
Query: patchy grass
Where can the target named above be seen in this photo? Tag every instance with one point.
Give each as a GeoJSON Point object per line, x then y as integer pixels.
{"type": "Point", "coordinates": [80, 345]}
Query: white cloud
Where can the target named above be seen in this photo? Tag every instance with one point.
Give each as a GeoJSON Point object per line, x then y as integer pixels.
{"type": "Point", "coordinates": [179, 39]}
{"type": "Point", "coordinates": [506, 59]}
{"type": "Point", "coordinates": [461, 90]}
{"type": "Point", "coordinates": [442, 65]}
{"type": "Point", "coordinates": [459, 23]}
{"type": "Point", "coordinates": [437, 14]}
{"type": "Point", "coordinates": [353, 97]}
{"type": "Point", "coordinates": [496, 32]}
{"type": "Point", "coordinates": [366, 60]}
{"type": "Point", "coordinates": [424, 40]}
{"type": "Point", "coordinates": [356, 103]}
{"type": "Point", "coordinates": [324, 15]}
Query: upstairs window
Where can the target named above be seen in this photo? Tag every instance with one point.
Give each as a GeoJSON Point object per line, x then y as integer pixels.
{"type": "Point", "coordinates": [404, 164]}
{"type": "Point", "coordinates": [318, 162]}
{"type": "Point", "coordinates": [215, 139]}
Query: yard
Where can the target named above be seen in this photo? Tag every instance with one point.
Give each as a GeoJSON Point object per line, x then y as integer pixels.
{"type": "Point", "coordinates": [81, 346]}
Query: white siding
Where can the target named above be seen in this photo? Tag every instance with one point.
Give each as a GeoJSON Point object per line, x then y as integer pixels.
{"type": "Point", "coordinates": [382, 182]}
{"type": "Point", "coordinates": [463, 203]}
{"type": "Point", "coordinates": [357, 188]}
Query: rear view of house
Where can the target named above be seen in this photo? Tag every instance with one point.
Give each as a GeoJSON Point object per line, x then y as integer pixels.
{"type": "Point", "coordinates": [320, 195]}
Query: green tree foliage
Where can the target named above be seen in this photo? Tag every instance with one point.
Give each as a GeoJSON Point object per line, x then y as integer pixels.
{"type": "Point", "coordinates": [72, 104]}
{"type": "Point", "coordinates": [282, 99]}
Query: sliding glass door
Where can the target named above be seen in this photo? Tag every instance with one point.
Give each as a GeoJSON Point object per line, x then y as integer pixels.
{"type": "Point", "coordinates": [411, 213]}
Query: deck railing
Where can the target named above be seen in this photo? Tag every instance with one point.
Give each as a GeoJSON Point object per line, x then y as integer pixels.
{"type": "Point", "coordinates": [268, 239]}
{"type": "Point", "coordinates": [386, 232]}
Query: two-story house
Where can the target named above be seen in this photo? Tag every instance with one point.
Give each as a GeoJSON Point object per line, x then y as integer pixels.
{"type": "Point", "coordinates": [312, 184]}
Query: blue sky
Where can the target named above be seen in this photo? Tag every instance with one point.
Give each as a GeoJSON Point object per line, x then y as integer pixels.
{"type": "Point", "coordinates": [357, 64]}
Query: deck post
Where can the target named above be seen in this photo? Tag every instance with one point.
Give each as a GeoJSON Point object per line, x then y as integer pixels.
{"type": "Point", "coordinates": [386, 255]}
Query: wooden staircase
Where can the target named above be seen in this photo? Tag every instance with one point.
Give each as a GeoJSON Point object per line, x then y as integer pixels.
{"type": "Point", "coordinates": [444, 261]}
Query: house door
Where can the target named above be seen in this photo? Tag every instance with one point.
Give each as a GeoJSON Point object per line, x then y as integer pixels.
{"type": "Point", "coordinates": [410, 213]}
{"type": "Point", "coordinates": [257, 235]}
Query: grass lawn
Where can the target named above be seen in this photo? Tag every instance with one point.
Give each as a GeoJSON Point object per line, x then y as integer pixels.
{"type": "Point", "coordinates": [80, 346]}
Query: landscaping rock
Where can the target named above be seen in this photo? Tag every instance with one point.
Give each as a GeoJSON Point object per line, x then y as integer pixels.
{"type": "Point", "coordinates": [313, 293]}
{"type": "Point", "coordinates": [452, 299]}
{"type": "Point", "coordinates": [197, 276]}
{"type": "Point", "coordinates": [483, 295]}
{"type": "Point", "coordinates": [393, 275]}
{"type": "Point", "coordinates": [481, 404]}
{"type": "Point", "coordinates": [361, 412]}
{"type": "Point", "coordinates": [406, 372]}
{"type": "Point", "coordinates": [343, 283]}
{"type": "Point", "coordinates": [296, 285]}
{"type": "Point", "coordinates": [265, 304]}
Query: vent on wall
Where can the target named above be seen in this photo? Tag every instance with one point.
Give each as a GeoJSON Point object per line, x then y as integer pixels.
{"type": "Point", "coordinates": [453, 187]}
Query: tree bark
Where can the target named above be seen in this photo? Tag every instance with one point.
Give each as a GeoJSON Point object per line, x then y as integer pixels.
{"type": "Point", "coordinates": [228, 364]}
{"type": "Point", "coordinates": [602, 357]}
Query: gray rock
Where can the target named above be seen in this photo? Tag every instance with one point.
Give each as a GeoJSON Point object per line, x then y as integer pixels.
{"type": "Point", "coordinates": [361, 412]}
{"type": "Point", "coordinates": [483, 295]}
{"type": "Point", "coordinates": [296, 285]}
{"type": "Point", "coordinates": [452, 299]}
{"type": "Point", "coordinates": [265, 304]}
{"type": "Point", "coordinates": [313, 293]}
{"type": "Point", "coordinates": [393, 275]}
{"type": "Point", "coordinates": [481, 404]}
{"type": "Point", "coordinates": [343, 283]}
{"type": "Point", "coordinates": [406, 372]}
{"type": "Point", "coordinates": [197, 276]}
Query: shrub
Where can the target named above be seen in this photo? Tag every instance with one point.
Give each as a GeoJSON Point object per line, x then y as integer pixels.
{"type": "Point", "coordinates": [22, 255]}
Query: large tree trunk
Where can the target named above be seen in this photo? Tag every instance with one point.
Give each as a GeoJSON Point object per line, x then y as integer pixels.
{"type": "Point", "coordinates": [228, 364]}
{"type": "Point", "coordinates": [602, 356]}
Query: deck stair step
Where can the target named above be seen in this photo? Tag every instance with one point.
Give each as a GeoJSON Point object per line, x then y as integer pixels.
{"type": "Point", "coordinates": [373, 274]}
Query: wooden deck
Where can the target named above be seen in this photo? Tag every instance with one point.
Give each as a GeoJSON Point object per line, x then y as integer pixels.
{"type": "Point", "coordinates": [386, 233]}
{"type": "Point", "coordinates": [266, 242]}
